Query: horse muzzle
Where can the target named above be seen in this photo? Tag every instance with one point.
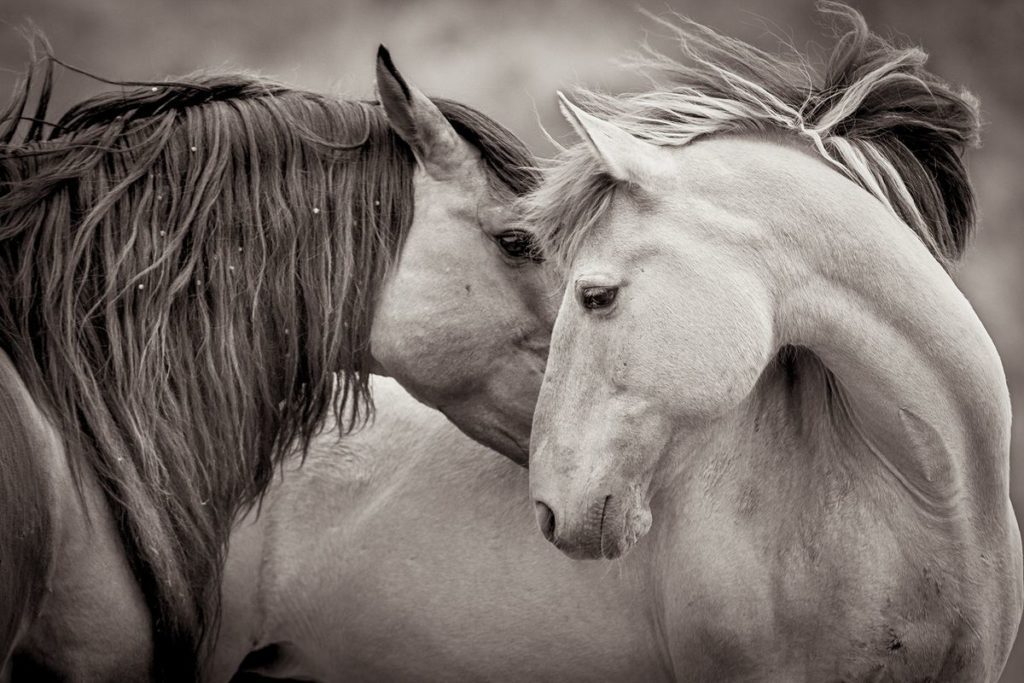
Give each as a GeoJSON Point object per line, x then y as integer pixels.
{"type": "Point", "coordinates": [606, 527]}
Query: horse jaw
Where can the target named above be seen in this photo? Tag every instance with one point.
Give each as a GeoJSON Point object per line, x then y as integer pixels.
{"type": "Point", "coordinates": [462, 329]}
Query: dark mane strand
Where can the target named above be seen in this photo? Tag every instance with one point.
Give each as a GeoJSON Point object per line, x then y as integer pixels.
{"type": "Point", "coordinates": [923, 125]}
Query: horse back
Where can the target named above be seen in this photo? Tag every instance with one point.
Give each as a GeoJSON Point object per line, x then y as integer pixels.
{"type": "Point", "coordinates": [26, 508]}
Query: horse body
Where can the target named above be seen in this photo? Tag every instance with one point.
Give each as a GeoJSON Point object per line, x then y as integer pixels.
{"type": "Point", "coordinates": [409, 552]}
{"type": "Point", "coordinates": [187, 269]}
{"type": "Point", "coordinates": [761, 360]}
{"type": "Point", "coordinates": [836, 506]}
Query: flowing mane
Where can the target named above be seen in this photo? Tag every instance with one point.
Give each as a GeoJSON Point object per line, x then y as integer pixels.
{"type": "Point", "coordinates": [186, 269]}
{"type": "Point", "coordinates": [875, 114]}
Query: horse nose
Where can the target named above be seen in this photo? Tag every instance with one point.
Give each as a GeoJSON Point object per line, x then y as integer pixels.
{"type": "Point", "coordinates": [545, 520]}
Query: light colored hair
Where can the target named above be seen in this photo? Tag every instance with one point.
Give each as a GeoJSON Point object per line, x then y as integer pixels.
{"type": "Point", "coordinates": [874, 113]}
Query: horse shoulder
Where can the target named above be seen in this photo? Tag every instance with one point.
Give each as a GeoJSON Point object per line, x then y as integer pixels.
{"type": "Point", "coordinates": [27, 498]}
{"type": "Point", "coordinates": [82, 612]}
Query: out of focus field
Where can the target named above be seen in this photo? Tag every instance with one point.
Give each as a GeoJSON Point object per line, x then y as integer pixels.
{"type": "Point", "coordinates": [507, 57]}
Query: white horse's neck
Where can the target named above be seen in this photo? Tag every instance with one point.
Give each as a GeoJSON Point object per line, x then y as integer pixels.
{"type": "Point", "coordinates": [871, 457]}
{"type": "Point", "coordinates": [881, 426]}
{"type": "Point", "coordinates": [918, 374]}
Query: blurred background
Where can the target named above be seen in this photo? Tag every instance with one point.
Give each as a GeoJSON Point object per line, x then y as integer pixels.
{"type": "Point", "coordinates": [507, 57]}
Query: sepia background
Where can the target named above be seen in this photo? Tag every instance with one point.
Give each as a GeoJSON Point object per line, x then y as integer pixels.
{"type": "Point", "coordinates": [508, 57]}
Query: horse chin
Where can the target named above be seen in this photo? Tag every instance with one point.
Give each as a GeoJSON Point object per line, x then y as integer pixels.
{"type": "Point", "coordinates": [494, 434]}
{"type": "Point", "coordinates": [580, 552]}
{"type": "Point", "coordinates": [622, 527]}
{"type": "Point", "coordinates": [508, 445]}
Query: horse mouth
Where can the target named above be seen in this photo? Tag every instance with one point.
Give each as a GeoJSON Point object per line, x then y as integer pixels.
{"type": "Point", "coordinates": [585, 544]}
{"type": "Point", "coordinates": [609, 550]}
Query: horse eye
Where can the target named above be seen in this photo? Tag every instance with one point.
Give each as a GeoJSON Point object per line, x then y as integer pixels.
{"type": "Point", "coordinates": [518, 244]}
{"type": "Point", "coordinates": [595, 298]}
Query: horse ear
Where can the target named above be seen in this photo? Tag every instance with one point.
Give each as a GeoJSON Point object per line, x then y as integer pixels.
{"type": "Point", "coordinates": [418, 121]}
{"type": "Point", "coordinates": [625, 157]}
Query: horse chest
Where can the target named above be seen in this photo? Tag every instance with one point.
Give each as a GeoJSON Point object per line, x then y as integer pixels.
{"type": "Point", "coordinates": [850, 595]}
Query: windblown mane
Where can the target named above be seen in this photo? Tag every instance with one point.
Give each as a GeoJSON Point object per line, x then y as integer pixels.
{"type": "Point", "coordinates": [875, 114]}
{"type": "Point", "coordinates": [186, 269]}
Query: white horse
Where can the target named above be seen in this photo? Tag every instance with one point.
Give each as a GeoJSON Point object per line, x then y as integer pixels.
{"type": "Point", "coordinates": [761, 364]}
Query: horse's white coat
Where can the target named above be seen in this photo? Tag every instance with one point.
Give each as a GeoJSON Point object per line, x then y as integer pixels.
{"type": "Point", "coordinates": [840, 510]}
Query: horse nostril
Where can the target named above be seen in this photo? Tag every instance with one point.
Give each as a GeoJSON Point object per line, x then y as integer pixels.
{"type": "Point", "coordinates": [545, 520]}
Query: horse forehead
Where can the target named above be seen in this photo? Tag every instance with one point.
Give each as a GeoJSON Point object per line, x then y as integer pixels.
{"type": "Point", "coordinates": [469, 173]}
{"type": "Point", "coordinates": [718, 167]}
{"type": "Point", "coordinates": [618, 231]}
{"type": "Point", "coordinates": [725, 190]}
{"type": "Point", "coordinates": [465, 191]}
{"type": "Point", "coordinates": [638, 226]}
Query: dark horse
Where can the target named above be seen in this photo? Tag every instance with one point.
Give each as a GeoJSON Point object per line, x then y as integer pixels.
{"type": "Point", "coordinates": [190, 273]}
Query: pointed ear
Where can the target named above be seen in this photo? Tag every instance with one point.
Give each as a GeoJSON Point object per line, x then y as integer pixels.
{"type": "Point", "coordinates": [438, 148]}
{"type": "Point", "coordinates": [625, 157]}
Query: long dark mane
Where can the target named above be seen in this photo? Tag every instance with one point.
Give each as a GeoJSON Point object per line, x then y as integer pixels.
{"type": "Point", "coordinates": [188, 273]}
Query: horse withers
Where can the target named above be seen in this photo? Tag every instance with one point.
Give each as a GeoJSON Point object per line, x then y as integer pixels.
{"type": "Point", "coordinates": [194, 274]}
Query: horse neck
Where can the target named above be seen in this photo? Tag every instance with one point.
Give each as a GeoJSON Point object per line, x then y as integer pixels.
{"type": "Point", "coordinates": [65, 576]}
{"type": "Point", "coordinates": [29, 491]}
{"type": "Point", "coordinates": [916, 376]}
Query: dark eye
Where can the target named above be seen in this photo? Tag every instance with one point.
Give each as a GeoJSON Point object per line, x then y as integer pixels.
{"type": "Point", "coordinates": [518, 244]}
{"type": "Point", "coordinates": [596, 298]}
